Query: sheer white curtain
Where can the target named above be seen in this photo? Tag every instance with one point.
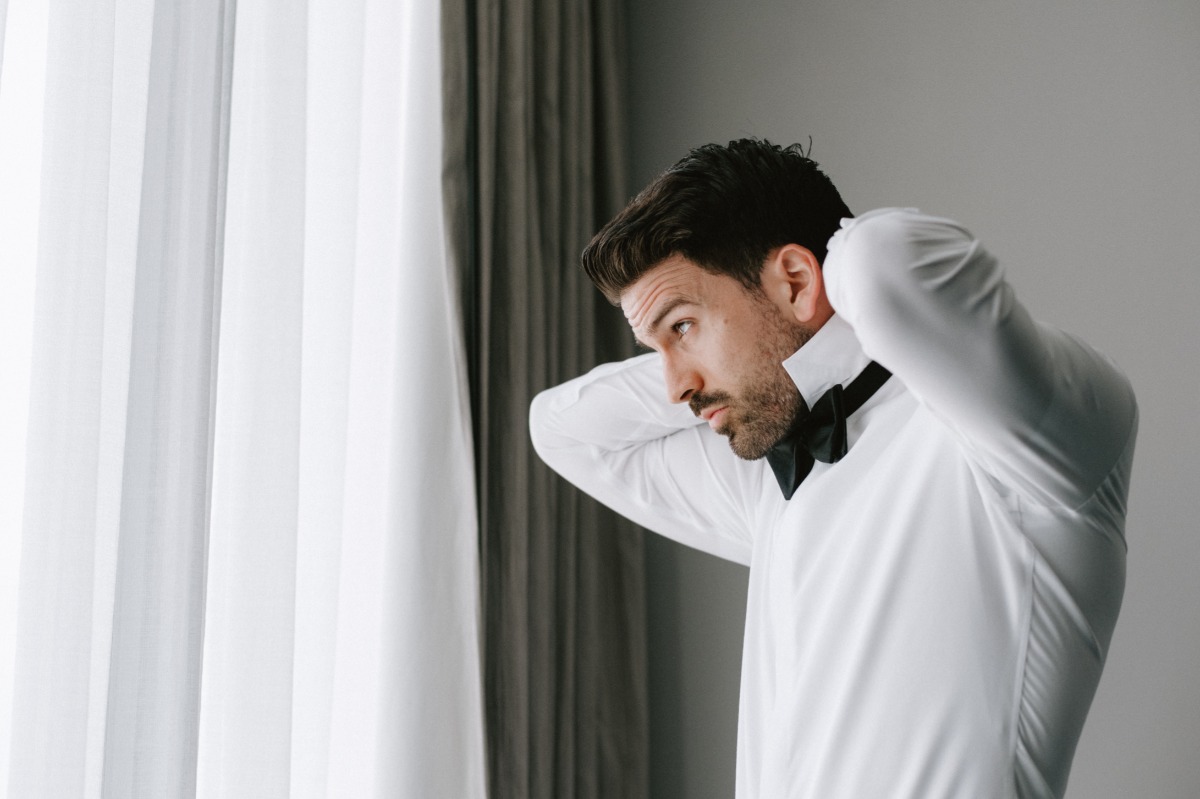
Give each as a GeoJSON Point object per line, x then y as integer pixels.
{"type": "Point", "coordinates": [237, 528]}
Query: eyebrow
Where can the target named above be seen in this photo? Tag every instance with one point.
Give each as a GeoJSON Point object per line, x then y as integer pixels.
{"type": "Point", "coordinates": [663, 312]}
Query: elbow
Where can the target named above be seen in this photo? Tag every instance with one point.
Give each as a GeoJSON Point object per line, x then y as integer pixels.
{"type": "Point", "coordinates": [540, 423]}
{"type": "Point", "coordinates": [549, 432]}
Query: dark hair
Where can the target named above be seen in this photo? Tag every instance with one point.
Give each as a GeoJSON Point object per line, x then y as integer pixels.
{"type": "Point", "coordinates": [723, 208]}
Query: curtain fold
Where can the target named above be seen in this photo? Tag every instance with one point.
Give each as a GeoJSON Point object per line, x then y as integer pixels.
{"type": "Point", "coordinates": [247, 545]}
{"type": "Point", "coordinates": [22, 92]}
{"type": "Point", "coordinates": [535, 163]}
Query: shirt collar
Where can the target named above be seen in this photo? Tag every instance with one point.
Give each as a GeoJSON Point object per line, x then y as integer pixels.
{"type": "Point", "coordinates": [832, 355]}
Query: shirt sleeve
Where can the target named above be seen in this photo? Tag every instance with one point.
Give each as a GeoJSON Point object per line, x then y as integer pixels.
{"type": "Point", "coordinates": [1036, 408]}
{"type": "Point", "coordinates": [613, 434]}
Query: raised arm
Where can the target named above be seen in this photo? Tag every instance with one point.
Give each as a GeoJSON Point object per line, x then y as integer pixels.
{"type": "Point", "coordinates": [1039, 410]}
{"type": "Point", "coordinates": [612, 433]}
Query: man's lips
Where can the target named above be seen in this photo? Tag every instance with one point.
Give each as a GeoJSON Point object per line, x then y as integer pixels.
{"type": "Point", "coordinates": [713, 415]}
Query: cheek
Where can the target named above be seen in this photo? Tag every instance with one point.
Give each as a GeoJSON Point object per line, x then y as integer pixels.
{"type": "Point", "coordinates": [733, 366]}
{"type": "Point", "coordinates": [734, 350]}
{"type": "Point", "coordinates": [749, 349]}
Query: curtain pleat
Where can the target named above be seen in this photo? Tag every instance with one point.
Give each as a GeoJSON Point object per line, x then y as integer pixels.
{"type": "Point", "coordinates": [3, 23]}
{"type": "Point", "coordinates": [22, 93]}
{"type": "Point", "coordinates": [153, 697]}
{"type": "Point", "coordinates": [115, 376]}
{"type": "Point", "coordinates": [341, 624]}
{"type": "Point", "coordinates": [535, 163]}
{"type": "Point", "coordinates": [250, 650]}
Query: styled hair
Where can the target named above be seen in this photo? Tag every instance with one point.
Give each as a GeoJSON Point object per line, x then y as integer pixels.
{"type": "Point", "coordinates": [724, 209]}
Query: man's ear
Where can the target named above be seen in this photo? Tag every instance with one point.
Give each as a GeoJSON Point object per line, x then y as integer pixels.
{"type": "Point", "coordinates": [792, 278]}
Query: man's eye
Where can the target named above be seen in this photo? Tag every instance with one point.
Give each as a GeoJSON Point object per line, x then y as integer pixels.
{"type": "Point", "coordinates": [681, 328]}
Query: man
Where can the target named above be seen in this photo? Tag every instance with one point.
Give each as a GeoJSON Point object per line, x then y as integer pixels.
{"type": "Point", "coordinates": [928, 487]}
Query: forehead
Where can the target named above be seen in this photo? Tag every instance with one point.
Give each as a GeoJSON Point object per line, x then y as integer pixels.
{"type": "Point", "coordinates": [671, 281]}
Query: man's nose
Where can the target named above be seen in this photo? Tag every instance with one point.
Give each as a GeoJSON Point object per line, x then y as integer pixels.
{"type": "Point", "coordinates": [682, 380]}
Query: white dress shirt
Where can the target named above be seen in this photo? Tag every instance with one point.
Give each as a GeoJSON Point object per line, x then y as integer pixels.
{"type": "Point", "coordinates": [929, 616]}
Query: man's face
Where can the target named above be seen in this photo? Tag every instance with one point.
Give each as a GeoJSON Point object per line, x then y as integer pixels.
{"type": "Point", "coordinates": [722, 347]}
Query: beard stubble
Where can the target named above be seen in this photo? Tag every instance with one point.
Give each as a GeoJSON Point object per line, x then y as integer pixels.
{"type": "Point", "coordinates": [766, 402]}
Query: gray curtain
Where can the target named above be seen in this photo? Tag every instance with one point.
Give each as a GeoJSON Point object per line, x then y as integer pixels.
{"type": "Point", "coordinates": [535, 163]}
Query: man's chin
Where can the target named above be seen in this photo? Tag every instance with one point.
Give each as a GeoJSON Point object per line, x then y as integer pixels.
{"type": "Point", "coordinates": [747, 452]}
{"type": "Point", "coordinates": [752, 444]}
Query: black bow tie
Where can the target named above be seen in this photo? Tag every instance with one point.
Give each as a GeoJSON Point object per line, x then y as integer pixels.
{"type": "Point", "coordinates": [819, 433]}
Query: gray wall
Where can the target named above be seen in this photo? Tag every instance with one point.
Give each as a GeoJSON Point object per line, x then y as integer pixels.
{"type": "Point", "coordinates": [1067, 137]}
